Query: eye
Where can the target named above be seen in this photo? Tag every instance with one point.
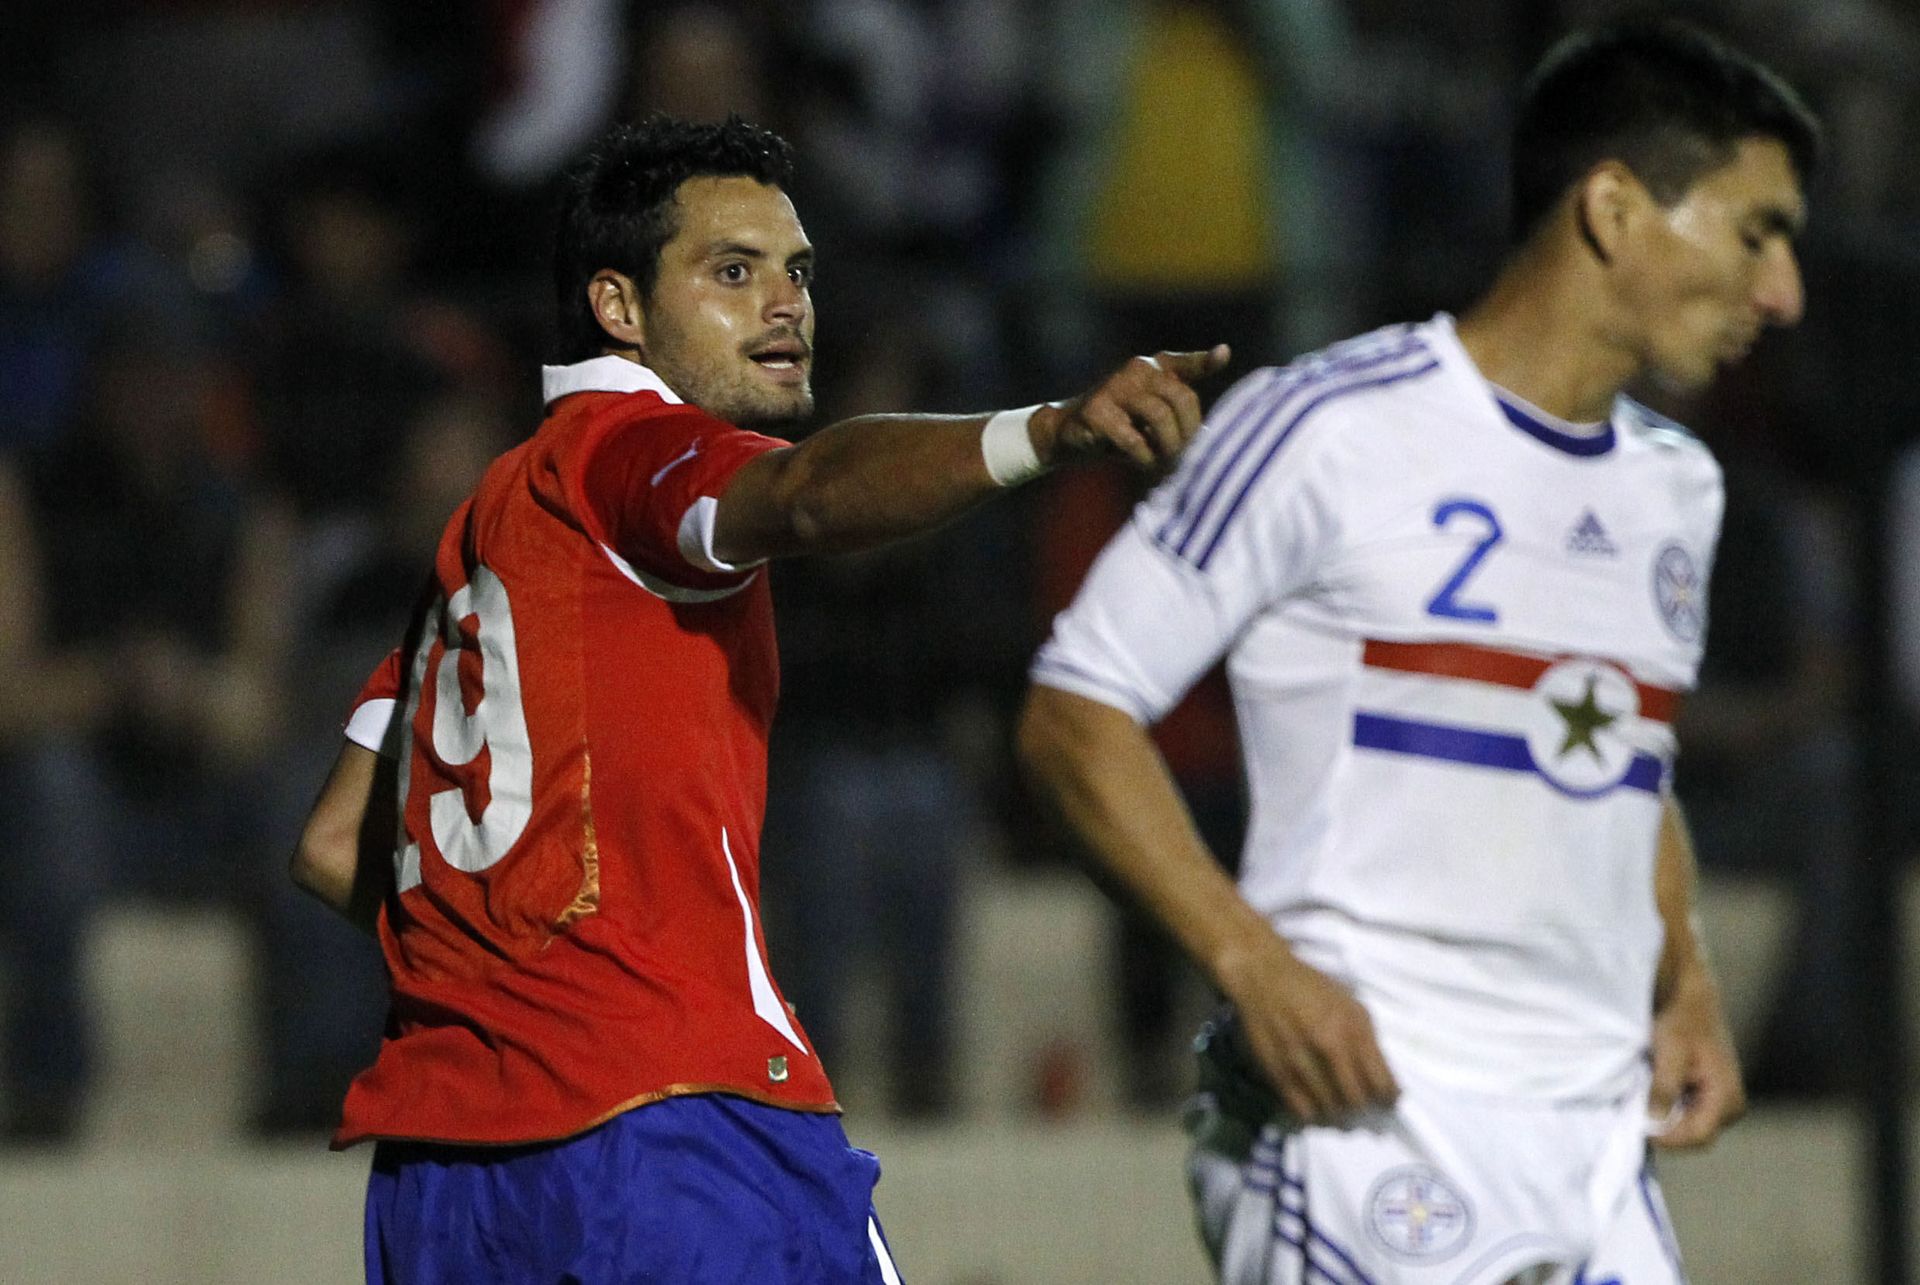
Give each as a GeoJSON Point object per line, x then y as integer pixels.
{"type": "Point", "coordinates": [801, 274]}
{"type": "Point", "coordinates": [733, 273]}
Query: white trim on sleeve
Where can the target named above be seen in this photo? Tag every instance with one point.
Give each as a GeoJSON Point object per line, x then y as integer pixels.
{"type": "Point", "coordinates": [671, 592]}
{"type": "Point", "coordinates": [696, 538]}
{"type": "Point", "coordinates": [1048, 672]}
{"type": "Point", "coordinates": [367, 725]}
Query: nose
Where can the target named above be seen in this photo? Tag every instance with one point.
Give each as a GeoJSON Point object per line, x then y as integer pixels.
{"type": "Point", "coordinates": [787, 301]}
{"type": "Point", "coordinates": [1779, 292]}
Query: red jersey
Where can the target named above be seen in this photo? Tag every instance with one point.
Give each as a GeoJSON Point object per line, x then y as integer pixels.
{"type": "Point", "coordinates": [581, 725]}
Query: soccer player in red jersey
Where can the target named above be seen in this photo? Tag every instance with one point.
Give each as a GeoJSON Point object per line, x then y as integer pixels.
{"type": "Point", "coordinates": [549, 804]}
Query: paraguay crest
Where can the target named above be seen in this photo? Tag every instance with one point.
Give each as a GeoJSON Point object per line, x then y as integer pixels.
{"type": "Point", "coordinates": [1679, 592]}
{"type": "Point", "coordinates": [1415, 1213]}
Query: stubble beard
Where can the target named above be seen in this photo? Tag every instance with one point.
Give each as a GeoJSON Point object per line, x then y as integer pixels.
{"type": "Point", "coordinates": [757, 409]}
{"type": "Point", "coordinates": [733, 396]}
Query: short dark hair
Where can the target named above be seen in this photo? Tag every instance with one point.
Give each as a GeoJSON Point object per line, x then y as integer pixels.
{"type": "Point", "coordinates": [617, 206]}
{"type": "Point", "coordinates": [1665, 98]}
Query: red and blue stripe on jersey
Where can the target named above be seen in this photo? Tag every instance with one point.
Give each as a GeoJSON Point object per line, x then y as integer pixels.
{"type": "Point", "coordinates": [1482, 747]}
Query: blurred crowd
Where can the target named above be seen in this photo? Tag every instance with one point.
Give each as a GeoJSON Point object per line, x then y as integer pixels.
{"type": "Point", "coordinates": [273, 291]}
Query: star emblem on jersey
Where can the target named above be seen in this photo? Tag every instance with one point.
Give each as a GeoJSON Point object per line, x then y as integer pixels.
{"type": "Point", "coordinates": [1584, 720]}
{"type": "Point", "coordinates": [1589, 537]}
{"type": "Point", "coordinates": [1414, 1213]}
{"type": "Point", "coordinates": [1578, 728]}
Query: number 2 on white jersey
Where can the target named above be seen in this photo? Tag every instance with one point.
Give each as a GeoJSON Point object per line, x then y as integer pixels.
{"type": "Point", "coordinates": [498, 724]}
{"type": "Point", "coordinates": [1447, 602]}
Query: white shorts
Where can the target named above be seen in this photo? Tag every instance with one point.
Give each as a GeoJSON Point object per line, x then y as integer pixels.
{"type": "Point", "coordinates": [1442, 1190]}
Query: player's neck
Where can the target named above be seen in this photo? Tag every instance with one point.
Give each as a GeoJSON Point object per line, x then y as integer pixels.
{"type": "Point", "coordinates": [1542, 334]}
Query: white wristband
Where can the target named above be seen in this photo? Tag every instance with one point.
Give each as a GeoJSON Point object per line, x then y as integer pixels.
{"type": "Point", "coordinates": [1007, 446]}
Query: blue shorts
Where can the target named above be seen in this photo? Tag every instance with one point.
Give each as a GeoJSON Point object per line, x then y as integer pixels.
{"type": "Point", "coordinates": [707, 1189]}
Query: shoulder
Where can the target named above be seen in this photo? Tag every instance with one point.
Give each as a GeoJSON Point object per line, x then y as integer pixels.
{"type": "Point", "coordinates": [1297, 429]}
{"type": "Point", "coordinates": [1287, 406]}
{"type": "Point", "coordinates": [1373, 360]}
{"type": "Point", "coordinates": [594, 419]}
{"type": "Point", "coordinates": [588, 433]}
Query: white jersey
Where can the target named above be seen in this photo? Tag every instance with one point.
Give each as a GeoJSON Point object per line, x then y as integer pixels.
{"type": "Point", "coordinates": [1456, 637]}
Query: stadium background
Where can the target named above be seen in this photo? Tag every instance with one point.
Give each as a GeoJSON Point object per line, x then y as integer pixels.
{"type": "Point", "coordinates": [271, 291]}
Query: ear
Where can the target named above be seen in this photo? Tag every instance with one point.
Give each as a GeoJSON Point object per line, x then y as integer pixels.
{"type": "Point", "coordinates": [1606, 206]}
{"type": "Point", "coordinates": [616, 304]}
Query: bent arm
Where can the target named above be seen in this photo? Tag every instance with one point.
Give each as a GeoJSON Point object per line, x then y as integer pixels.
{"type": "Point", "coordinates": [346, 847]}
{"type": "Point", "coordinates": [1683, 958]}
{"type": "Point", "coordinates": [1100, 770]}
{"type": "Point", "coordinates": [1697, 1089]}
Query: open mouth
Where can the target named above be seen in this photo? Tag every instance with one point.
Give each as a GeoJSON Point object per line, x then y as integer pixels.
{"type": "Point", "coordinates": [783, 370]}
{"type": "Point", "coordinates": [781, 355]}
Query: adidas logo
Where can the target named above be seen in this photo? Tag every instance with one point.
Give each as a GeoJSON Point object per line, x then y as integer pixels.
{"type": "Point", "coordinates": [1590, 538]}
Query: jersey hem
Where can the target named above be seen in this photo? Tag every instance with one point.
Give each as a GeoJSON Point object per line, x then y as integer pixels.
{"type": "Point", "coordinates": [832, 1107]}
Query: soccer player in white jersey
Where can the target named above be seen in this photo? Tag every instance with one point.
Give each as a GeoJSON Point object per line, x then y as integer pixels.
{"type": "Point", "coordinates": [1459, 580]}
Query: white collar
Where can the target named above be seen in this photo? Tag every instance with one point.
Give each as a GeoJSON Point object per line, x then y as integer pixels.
{"type": "Point", "coordinates": [609, 374]}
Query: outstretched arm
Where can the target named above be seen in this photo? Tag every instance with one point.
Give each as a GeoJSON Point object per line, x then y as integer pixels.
{"type": "Point", "coordinates": [1697, 1089]}
{"type": "Point", "coordinates": [877, 478]}
{"type": "Point", "coordinates": [345, 857]}
{"type": "Point", "coordinates": [1100, 770]}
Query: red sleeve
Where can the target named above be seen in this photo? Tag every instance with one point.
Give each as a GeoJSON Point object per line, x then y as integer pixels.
{"type": "Point", "coordinates": [652, 486]}
{"type": "Point", "coordinates": [374, 707]}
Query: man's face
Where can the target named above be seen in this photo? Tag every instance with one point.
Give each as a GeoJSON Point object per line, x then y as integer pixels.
{"type": "Point", "coordinates": [1713, 270]}
{"type": "Point", "coordinates": [729, 322]}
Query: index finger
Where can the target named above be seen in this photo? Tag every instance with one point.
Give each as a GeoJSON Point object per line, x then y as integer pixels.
{"type": "Point", "coordinates": [1189, 366]}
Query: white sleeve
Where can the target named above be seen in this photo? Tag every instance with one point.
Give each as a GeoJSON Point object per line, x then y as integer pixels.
{"type": "Point", "coordinates": [1702, 497]}
{"type": "Point", "coordinates": [1244, 523]}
